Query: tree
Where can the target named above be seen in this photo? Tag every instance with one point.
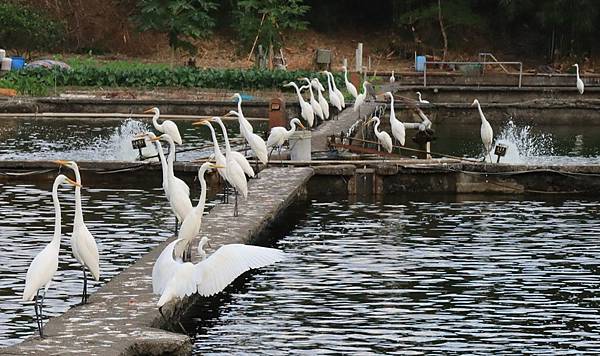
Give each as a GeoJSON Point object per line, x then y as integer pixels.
{"type": "Point", "coordinates": [449, 17]}
{"type": "Point", "coordinates": [265, 20]}
{"type": "Point", "coordinates": [25, 29]}
{"type": "Point", "coordinates": [179, 19]}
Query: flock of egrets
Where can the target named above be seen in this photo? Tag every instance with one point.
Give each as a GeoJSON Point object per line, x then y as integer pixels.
{"type": "Point", "coordinates": [174, 275]}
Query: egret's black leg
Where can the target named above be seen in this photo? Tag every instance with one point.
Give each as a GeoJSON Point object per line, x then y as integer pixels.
{"type": "Point", "coordinates": [235, 208]}
{"type": "Point", "coordinates": [176, 225]}
{"type": "Point", "coordinates": [38, 317]}
{"type": "Point", "coordinates": [84, 296]}
{"type": "Point", "coordinates": [41, 307]}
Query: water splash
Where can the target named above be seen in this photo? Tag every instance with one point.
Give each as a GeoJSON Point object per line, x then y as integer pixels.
{"type": "Point", "coordinates": [523, 145]}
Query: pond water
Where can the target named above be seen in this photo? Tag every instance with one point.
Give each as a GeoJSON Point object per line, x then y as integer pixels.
{"type": "Point", "coordinates": [454, 275]}
{"type": "Point", "coordinates": [126, 224]}
{"type": "Point", "coordinates": [101, 139]}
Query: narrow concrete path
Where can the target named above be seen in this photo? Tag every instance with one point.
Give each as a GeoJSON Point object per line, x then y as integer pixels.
{"type": "Point", "coordinates": [333, 127]}
{"type": "Point", "coordinates": [121, 317]}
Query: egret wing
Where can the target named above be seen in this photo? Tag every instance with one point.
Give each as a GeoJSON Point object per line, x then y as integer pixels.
{"type": "Point", "coordinates": [228, 262]}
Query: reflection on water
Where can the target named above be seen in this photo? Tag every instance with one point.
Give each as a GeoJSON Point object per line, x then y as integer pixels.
{"type": "Point", "coordinates": [418, 277]}
{"type": "Point", "coordinates": [97, 139]}
{"type": "Point", "coordinates": [126, 223]}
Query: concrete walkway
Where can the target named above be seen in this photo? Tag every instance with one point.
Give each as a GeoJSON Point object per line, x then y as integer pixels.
{"type": "Point", "coordinates": [333, 127]}
{"type": "Point", "coordinates": [121, 317]}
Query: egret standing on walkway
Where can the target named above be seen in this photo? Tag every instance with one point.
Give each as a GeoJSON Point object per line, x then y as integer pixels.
{"type": "Point", "coordinates": [44, 265]}
{"type": "Point", "coordinates": [279, 135]}
{"type": "Point", "coordinates": [83, 243]}
{"type": "Point", "coordinates": [313, 102]}
{"type": "Point", "coordinates": [306, 109]}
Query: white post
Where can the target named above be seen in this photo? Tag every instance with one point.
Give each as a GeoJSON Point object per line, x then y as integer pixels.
{"type": "Point", "coordinates": [359, 52]}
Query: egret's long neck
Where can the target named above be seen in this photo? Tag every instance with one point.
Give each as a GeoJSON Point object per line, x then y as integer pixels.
{"type": "Point", "coordinates": [292, 128]}
{"type": "Point", "coordinates": [345, 74]}
{"type": "Point", "coordinates": [239, 104]}
{"type": "Point", "coordinates": [333, 82]}
{"type": "Point", "coordinates": [419, 94]}
{"type": "Point", "coordinates": [577, 71]}
{"type": "Point", "coordinates": [155, 122]}
{"type": "Point", "coordinates": [214, 138]}
{"type": "Point", "coordinates": [163, 162]}
{"type": "Point", "coordinates": [203, 189]}
{"type": "Point", "coordinates": [78, 208]}
{"type": "Point", "coordinates": [480, 112]}
{"type": "Point", "coordinates": [392, 112]}
{"type": "Point", "coordinates": [377, 122]}
{"type": "Point", "coordinates": [300, 98]}
{"type": "Point", "coordinates": [225, 137]}
{"type": "Point", "coordinates": [328, 82]}
{"type": "Point", "coordinates": [171, 158]}
{"type": "Point", "coordinates": [312, 96]}
{"type": "Point", "coordinates": [365, 88]}
{"type": "Point", "coordinates": [57, 219]}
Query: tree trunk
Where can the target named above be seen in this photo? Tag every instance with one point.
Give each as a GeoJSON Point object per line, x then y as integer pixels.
{"type": "Point", "coordinates": [443, 30]}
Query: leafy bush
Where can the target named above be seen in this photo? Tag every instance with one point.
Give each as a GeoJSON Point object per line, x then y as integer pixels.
{"type": "Point", "coordinates": [25, 29]}
{"type": "Point", "coordinates": [153, 77]}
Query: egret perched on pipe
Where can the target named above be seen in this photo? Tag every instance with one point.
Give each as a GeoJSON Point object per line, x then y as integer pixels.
{"type": "Point", "coordinates": [487, 134]}
{"type": "Point", "coordinates": [167, 126]}
{"type": "Point", "coordinates": [307, 111]}
{"type": "Point", "coordinates": [580, 86]}
{"type": "Point", "coordinates": [349, 86]}
{"type": "Point", "coordinates": [245, 125]}
{"type": "Point", "coordinates": [383, 137]}
{"type": "Point", "coordinates": [257, 144]}
{"type": "Point", "coordinates": [421, 101]}
{"type": "Point", "coordinates": [44, 265]}
{"type": "Point", "coordinates": [398, 129]}
{"type": "Point", "coordinates": [83, 243]}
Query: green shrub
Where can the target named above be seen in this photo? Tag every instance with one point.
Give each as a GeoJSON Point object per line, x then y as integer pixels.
{"type": "Point", "coordinates": [24, 29]}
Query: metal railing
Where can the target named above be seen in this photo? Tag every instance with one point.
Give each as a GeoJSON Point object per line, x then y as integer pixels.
{"type": "Point", "coordinates": [481, 63]}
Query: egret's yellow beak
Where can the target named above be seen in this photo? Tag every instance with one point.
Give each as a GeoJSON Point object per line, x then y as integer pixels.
{"type": "Point", "coordinates": [302, 126]}
{"type": "Point", "coordinates": [157, 138]}
{"type": "Point", "coordinates": [61, 162]}
{"type": "Point", "coordinates": [72, 182]}
{"type": "Point", "coordinates": [228, 114]}
{"type": "Point", "coordinates": [216, 166]}
{"type": "Point", "coordinates": [368, 122]}
{"type": "Point", "coordinates": [201, 122]}
{"type": "Point", "coordinates": [148, 111]}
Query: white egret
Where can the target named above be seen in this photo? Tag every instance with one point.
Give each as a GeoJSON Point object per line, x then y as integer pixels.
{"type": "Point", "coordinates": [83, 243]}
{"type": "Point", "coordinates": [487, 134]}
{"type": "Point", "coordinates": [192, 222]}
{"type": "Point", "coordinates": [245, 126]}
{"type": "Point", "coordinates": [163, 162]}
{"type": "Point", "coordinates": [421, 101]}
{"type": "Point", "coordinates": [360, 99]}
{"type": "Point", "coordinates": [383, 137]}
{"type": "Point", "coordinates": [349, 86]}
{"type": "Point", "coordinates": [334, 99]}
{"type": "Point", "coordinates": [580, 86]}
{"type": "Point", "coordinates": [392, 78]}
{"type": "Point", "coordinates": [320, 98]}
{"type": "Point", "coordinates": [178, 191]}
{"type": "Point", "coordinates": [307, 111]}
{"type": "Point", "coordinates": [313, 102]}
{"type": "Point", "coordinates": [203, 241]}
{"type": "Point", "coordinates": [398, 129]}
{"type": "Point", "coordinates": [336, 90]}
{"type": "Point", "coordinates": [44, 265]}
{"type": "Point", "coordinates": [167, 126]}
{"type": "Point", "coordinates": [234, 173]}
{"type": "Point", "coordinates": [279, 135]}
{"type": "Point", "coordinates": [213, 274]}
{"type": "Point", "coordinates": [257, 144]}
